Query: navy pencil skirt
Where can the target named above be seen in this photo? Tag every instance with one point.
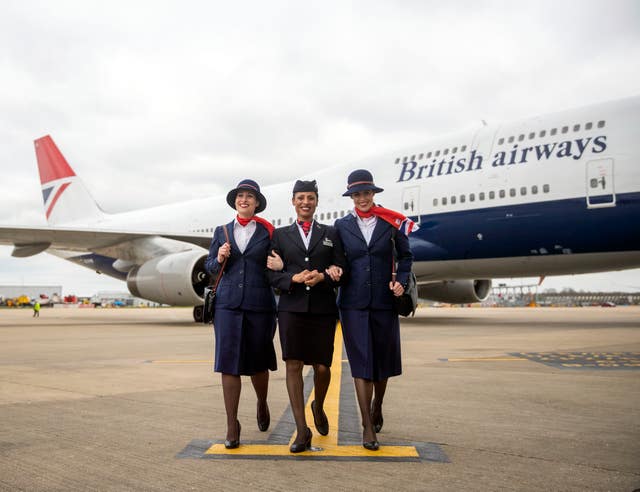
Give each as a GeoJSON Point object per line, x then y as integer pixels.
{"type": "Point", "coordinates": [244, 342]}
{"type": "Point", "coordinates": [372, 339]}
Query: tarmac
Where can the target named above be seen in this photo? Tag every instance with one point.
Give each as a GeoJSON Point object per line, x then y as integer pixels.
{"type": "Point", "coordinates": [490, 399]}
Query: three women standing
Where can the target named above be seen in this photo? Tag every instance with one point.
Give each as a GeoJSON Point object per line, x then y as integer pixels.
{"type": "Point", "coordinates": [373, 241]}
{"type": "Point", "coordinates": [244, 321]}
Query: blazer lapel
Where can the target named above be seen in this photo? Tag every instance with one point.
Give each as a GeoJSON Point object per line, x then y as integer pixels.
{"type": "Point", "coordinates": [380, 228]}
{"type": "Point", "coordinates": [294, 235]}
{"type": "Point", "coordinates": [232, 239]}
{"type": "Point", "coordinates": [352, 226]}
{"type": "Point", "coordinates": [317, 235]}
{"type": "Point", "coordinates": [258, 235]}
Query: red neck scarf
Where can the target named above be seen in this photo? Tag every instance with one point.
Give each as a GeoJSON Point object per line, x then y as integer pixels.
{"type": "Point", "coordinates": [265, 223]}
{"type": "Point", "coordinates": [396, 219]}
{"type": "Point", "coordinates": [306, 226]}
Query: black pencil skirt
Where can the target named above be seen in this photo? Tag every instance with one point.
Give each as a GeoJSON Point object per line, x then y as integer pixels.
{"type": "Point", "coordinates": [307, 337]}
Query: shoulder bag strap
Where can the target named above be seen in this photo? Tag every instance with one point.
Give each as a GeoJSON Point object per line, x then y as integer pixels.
{"type": "Point", "coordinates": [224, 263]}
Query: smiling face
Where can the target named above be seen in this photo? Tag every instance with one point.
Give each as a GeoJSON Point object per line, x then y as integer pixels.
{"type": "Point", "coordinates": [246, 203]}
{"type": "Point", "coordinates": [363, 200]}
{"type": "Point", "coordinates": [305, 203]}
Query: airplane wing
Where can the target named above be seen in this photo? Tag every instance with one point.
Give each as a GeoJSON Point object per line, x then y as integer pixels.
{"type": "Point", "coordinates": [28, 241]}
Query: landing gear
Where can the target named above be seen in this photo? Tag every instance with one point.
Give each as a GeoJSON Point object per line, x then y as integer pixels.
{"type": "Point", "coordinates": [198, 313]}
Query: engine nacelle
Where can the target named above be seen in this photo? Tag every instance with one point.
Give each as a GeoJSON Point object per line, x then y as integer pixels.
{"type": "Point", "coordinates": [456, 291]}
{"type": "Point", "coordinates": [178, 279]}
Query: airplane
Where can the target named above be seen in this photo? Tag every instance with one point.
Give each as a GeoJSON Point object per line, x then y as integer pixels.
{"type": "Point", "coordinates": [549, 195]}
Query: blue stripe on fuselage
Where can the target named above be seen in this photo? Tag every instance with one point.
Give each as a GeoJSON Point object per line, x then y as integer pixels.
{"type": "Point", "coordinates": [552, 227]}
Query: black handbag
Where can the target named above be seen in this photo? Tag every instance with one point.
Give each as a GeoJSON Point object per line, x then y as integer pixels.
{"type": "Point", "coordinates": [209, 308]}
{"type": "Point", "coordinates": [407, 303]}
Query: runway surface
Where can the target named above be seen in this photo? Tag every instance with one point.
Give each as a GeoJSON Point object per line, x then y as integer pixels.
{"type": "Point", "coordinates": [490, 399]}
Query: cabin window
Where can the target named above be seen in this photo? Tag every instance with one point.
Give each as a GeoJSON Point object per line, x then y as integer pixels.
{"type": "Point", "coordinates": [472, 197]}
{"type": "Point", "coordinates": [420, 156]}
{"type": "Point", "coordinates": [341, 213]}
{"type": "Point", "coordinates": [446, 151]}
{"type": "Point", "coordinates": [534, 190]}
{"type": "Point", "coordinates": [523, 190]}
{"type": "Point", "coordinates": [565, 129]}
{"type": "Point", "coordinates": [454, 150]}
{"type": "Point", "coordinates": [453, 200]}
{"type": "Point", "coordinates": [520, 138]}
{"type": "Point", "coordinates": [413, 157]}
{"type": "Point", "coordinates": [542, 133]}
{"type": "Point", "coordinates": [502, 193]}
{"type": "Point", "coordinates": [553, 131]}
{"type": "Point", "coordinates": [464, 147]}
{"type": "Point", "coordinates": [444, 200]}
{"type": "Point", "coordinates": [545, 188]}
{"type": "Point", "coordinates": [435, 202]}
{"type": "Point", "coordinates": [492, 195]}
{"type": "Point", "coordinates": [404, 159]}
{"type": "Point", "coordinates": [429, 155]}
{"type": "Point", "coordinates": [500, 141]}
{"type": "Point", "coordinates": [601, 124]}
{"type": "Point", "coordinates": [398, 160]}
{"type": "Point", "coordinates": [322, 216]}
{"type": "Point", "coordinates": [588, 126]}
{"type": "Point", "coordinates": [576, 128]}
{"type": "Point", "coordinates": [511, 139]}
{"type": "Point", "coordinates": [481, 195]}
{"type": "Point", "coordinates": [532, 135]}
{"type": "Point", "coordinates": [463, 198]}
{"type": "Point", "coordinates": [512, 192]}
{"type": "Point", "coordinates": [437, 153]}
{"type": "Point", "coordinates": [279, 221]}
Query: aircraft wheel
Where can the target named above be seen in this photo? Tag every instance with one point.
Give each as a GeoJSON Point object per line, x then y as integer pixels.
{"type": "Point", "coordinates": [198, 313]}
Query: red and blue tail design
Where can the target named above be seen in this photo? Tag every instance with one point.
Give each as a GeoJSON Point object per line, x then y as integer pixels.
{"type": "Point", "coordinates": [65, 197]}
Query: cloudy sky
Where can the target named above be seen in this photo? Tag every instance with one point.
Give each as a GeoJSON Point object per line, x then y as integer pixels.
{"type": "Point", "coordinates": [155, 102]}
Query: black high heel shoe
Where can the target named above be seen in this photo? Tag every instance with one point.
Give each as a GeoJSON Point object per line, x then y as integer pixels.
{"type": "Point", "coordinates": [233, 444]}
{"type": "Point", "coordinates": [377, 420]}
{"type": "Point", "coordinates": [370, 445]}
{"type": "Point", "coordinates": [321, 422]}
{"type": "Point", "coordinates": [299, 448]}
{"type": "Point", "coordinates": [263, 420]}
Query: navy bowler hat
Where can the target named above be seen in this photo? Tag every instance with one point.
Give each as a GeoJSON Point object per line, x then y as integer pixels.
{"type": "Point", "coordinates": [249, 185]}
{"type": "Point", "coordinates": [360, 180]}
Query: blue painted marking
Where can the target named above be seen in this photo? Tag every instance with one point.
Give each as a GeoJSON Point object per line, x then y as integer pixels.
{"type": "Point", "coordinates": [46, 192]}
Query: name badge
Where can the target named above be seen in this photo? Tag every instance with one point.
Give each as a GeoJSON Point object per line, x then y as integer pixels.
{"type": "Point", "coordinates": [327, 242]}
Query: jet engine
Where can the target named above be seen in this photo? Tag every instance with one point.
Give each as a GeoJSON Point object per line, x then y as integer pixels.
{"type": "Point", "coordinates": [178, 279]}
{"type": "Point", "coordinates": [455, 291]}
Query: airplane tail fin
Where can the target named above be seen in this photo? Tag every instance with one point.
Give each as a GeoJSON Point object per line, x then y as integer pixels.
{"type": "Point", "coordinates": [66, 199]}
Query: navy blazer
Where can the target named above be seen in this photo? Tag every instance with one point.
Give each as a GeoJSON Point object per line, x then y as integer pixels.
{"type": "Point", "coordinates": [325, 249]}
{"type": "Point", "coordinates": [244, 284]}
{"type": "Point", "coordinates": [370, 266]}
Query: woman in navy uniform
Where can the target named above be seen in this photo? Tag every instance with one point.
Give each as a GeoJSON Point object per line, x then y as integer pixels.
{"type": "Point", "coordinates": [244, 321]}
{"type": "Point", "coordinates": [373, 239]}
{"type": "Point", "coordinates": [305, 266]}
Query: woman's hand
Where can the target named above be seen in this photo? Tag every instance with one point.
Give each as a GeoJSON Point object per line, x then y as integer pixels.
{"type": "Point", "coordinates": [274, 262]}
{"type": "Point", "coordinates": [313, 278]}
{"type": "Point", "coordinates": [224, 252]}
{"type": "Point", "coordinates": [335, 272]}
{"type": "Point", "coordinates": [300, 278]}
{"type": "Point", "coordinates": [396, 288]}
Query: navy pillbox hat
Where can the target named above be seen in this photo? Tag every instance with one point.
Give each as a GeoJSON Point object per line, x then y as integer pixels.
{"type": "Point", "coordinates": [305, 186]}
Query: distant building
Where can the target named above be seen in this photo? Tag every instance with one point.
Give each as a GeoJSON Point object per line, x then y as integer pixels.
{"type": "Point", "coordinates": [114, 298]}
{"type": "Point", "coordinates": [31, 291]}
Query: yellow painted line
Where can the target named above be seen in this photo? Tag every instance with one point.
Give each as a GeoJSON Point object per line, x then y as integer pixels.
{"type": "Point", "coordinates": [327, 450]}
{"type": "Point", "coordinates": [487, 359]}
{"type": "Point", "coordinates": [181, 362]}
{"type": "Point", "coordinates": [332, 400]}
